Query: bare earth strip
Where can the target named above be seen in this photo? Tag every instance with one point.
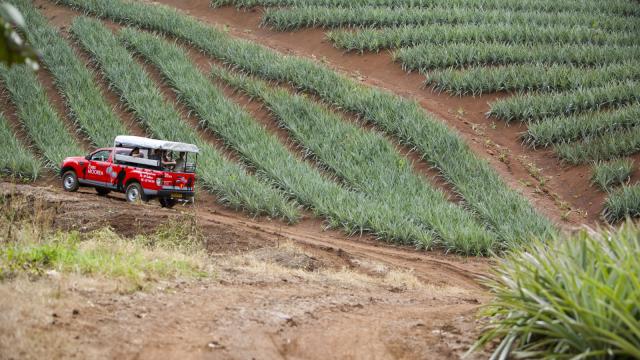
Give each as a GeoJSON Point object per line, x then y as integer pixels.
{"type": "Point", "coordinates": [354, 297]}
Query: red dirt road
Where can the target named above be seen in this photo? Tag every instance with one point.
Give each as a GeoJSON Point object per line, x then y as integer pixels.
{"type": "Point", "coordinates": [363, 299]}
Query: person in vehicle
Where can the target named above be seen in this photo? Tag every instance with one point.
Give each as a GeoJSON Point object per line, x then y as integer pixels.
{"type": "Point", "coordinates": [167, 161]}
{"type": "Point", "coordinates": [153, 155]}
{"type": "Point", "coordinates": [136, 153]}
{"type": "Point", "coordinates": [181, 162]}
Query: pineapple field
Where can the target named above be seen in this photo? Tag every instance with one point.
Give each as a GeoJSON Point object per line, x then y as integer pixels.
{"type": "Point", "coordinates": [487, 136]}
{"type": "Point", "coordinates": [568, 65]}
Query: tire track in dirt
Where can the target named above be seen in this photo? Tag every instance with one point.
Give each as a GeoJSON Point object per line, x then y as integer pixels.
{"type": "Point", "coordinates": [465, 273]}
{"type": "Point", "coordinates": [263, 314]}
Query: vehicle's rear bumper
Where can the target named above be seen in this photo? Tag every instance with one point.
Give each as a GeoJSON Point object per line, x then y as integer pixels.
{"type": "Point", "coordinates": [180, 194]}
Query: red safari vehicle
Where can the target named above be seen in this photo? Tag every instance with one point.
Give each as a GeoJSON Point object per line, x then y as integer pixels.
{"type": "Point", "coordinates": [136, 166]}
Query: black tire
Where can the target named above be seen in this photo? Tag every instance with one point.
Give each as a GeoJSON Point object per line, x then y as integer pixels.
{"type": "Point", "coordinates": [70, 181]}
{"type": "Point", "coordinates": [167, 202]}
{"type": "Point", "coordinates": [134, 193]}
{"type": "Point", "coordinates": [103, 191]}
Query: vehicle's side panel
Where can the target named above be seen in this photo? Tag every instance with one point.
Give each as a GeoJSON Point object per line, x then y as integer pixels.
{"type": "Point", "coordinates": [97, 168]}
{"type": "Point", "coordinates": [146, 178]}
{"type": "Point", "coordinates": [78, 165]}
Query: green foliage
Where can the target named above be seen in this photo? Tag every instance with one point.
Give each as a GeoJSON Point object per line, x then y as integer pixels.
{"type": "Point", "coordinates": [569, 298]}
{"type": "Point", "coordinates": [228, 180]}
{"type": "Point", "coordinates": [619, 7]}
{"type": "Point", "coordinates": [621, 204]}
{"type": "Point", "coordinates": [579, 48]}
{"type": "Point", "coordinates": [368, 16]}
{"type": "Point", "coordinates": [85, 101]}
{"type": "Point", "coordinates": [608, 146]}
{"type": "Point", "coordinates": [608, 174]}
{"type": "Point", "coordinates": [529, 77]}
{"type": "Point", "coordinates": [15, 159]}
{"type": "Point", "coordinates": [368, 162]}
{"type": "Point", "coordinates": [535, 106]}
{"type": "Point", "coordinates": [39, 118]}
{"type": "Point", "coordinates": [102, 253]}
{"type": "Point", "coordinates": [425, 57]}
{"type": "Point", "coordinates": [571, 128]}
{"type": "Point", "coordinates": [473, 178]}
{"type": "Point", "coordinates": [14, 49]}
{"type": "Point", "coordinates": [478, 36]}
{"type": "Point", "coordinates": [342, 208]}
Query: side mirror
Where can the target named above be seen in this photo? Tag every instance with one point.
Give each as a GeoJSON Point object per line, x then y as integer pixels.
{"type": "Point", "coordinates": [88, 157]}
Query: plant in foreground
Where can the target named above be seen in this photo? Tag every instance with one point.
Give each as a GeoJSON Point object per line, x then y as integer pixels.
{"type": "Point", "coordinates": [574, 297]}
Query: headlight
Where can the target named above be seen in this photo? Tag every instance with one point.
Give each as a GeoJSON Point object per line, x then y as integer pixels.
{"type": "Point", "coordinates": [158, 181]}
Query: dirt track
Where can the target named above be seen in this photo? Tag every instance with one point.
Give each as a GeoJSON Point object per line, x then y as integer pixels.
{"type": "Point", "coordinates": [340, 309]}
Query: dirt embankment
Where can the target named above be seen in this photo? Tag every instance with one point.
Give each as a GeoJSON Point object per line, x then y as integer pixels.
{"type": "Point", "coordinates": [279, 292]}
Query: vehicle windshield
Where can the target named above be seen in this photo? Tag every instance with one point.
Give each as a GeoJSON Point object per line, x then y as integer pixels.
{"type": "Point", "coordinates": [102, 155]}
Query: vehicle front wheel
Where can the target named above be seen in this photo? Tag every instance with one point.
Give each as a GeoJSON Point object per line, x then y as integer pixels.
{"type": "Point", "coordinates": [134, 193]}
{"type": "Point", "coordinates": [70, 181]}
{"type": "Point", "coordinates": [167, 202]}
{"type": "Point", "coordinates": [102, 191]}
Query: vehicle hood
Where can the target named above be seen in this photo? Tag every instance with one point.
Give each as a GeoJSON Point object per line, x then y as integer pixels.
{"type": "Point", "coordinates": [75, 159]}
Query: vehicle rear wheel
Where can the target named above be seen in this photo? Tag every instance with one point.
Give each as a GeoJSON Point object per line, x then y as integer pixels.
{"type": "Point", "coordinates": [167, 202]}
{"type": "Point", "coordinates": [134, 193]}
{"type": "Point", "coordinates": [102, 191]}
{"type": "Point", "coordinates": [70, 181]}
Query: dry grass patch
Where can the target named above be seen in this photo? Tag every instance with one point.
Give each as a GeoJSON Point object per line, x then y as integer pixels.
{"type": "Point", "coordinates": [288, 261]}
{"type": "Point", "coordinates": [29, 246]}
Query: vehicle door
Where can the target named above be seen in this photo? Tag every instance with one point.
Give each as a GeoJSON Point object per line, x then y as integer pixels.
{"type": "Point", "coordinates": [97, 173]}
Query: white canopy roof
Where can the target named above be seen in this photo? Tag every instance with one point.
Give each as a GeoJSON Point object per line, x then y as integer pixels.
{"type": "Point", "coordinates": [142, 142]}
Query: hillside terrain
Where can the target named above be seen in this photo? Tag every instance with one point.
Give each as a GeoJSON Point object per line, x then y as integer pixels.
{"type": "Point", "coordinates": [363, 165]}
